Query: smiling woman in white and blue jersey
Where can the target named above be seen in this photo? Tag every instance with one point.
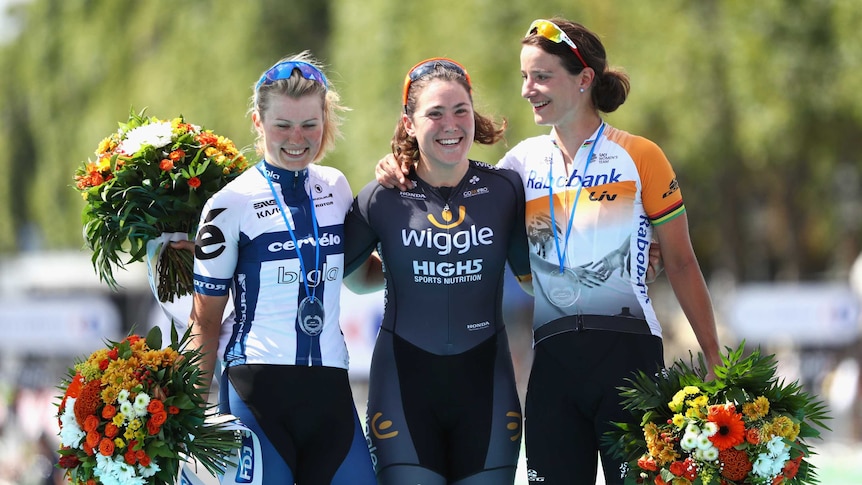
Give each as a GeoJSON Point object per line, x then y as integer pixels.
{"type": "Point", "coordinates": [271, 244]}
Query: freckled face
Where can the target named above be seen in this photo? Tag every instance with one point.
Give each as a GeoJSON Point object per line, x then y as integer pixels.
{"type": "Point", "coordinates": [292, 131]}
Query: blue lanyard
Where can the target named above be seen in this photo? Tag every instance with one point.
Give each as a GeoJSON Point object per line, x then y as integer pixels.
{"type": "Point", "coordinates": [305, 276]}
{"type": "Point", "coordinates": [561, 255]}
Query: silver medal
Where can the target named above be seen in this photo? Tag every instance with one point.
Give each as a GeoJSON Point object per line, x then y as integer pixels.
{"type": "Point", "coordinates": [563, 289]}
{"type": "Point", "coordinates": [310, 315]}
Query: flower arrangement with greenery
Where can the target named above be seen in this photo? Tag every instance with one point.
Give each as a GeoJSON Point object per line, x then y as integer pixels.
{"type": "Point", "coordinates": [132, 411]}
{"type": "Point", "coordinates": [152, 177]}
{"type": "Point", "coordinates": [743, 427]}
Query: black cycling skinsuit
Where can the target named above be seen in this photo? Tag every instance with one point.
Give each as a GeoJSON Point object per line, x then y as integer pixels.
{"type": "Point", "coordinates": [443, 406]}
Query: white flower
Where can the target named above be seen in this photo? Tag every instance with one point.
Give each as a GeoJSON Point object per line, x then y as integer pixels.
{"type": "Point", "coordinates": [123, 396]}
{"type": "Point", "coordinates": [70, 433]}
{"type": "Point", "coordinates": [115, 471]}
{"type": "Point", "coordinates": [710, 428]}
{"type": "Point", "coordinates": [709, 454]}
{"type": "Point", "coordinates": [763, 465]}
{"type": "Point", "coordinates": [688, 441]}
{"type": "Point", "coordinates": [703, 442]}
{"type": "Point", "coordinates": [776, 446]}
{"type": "Point", "coordinates": [141, 402]}
{"type": "Point", "coordinates": [155, 135]}
{"type": "Point", "coordinates": [692, 429]}
{"type": "Point", "coordinates": [127, 409]}
{"type": "Point", "coordinates": [148, 471]}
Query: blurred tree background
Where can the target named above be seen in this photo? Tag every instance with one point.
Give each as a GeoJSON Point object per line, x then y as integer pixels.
{"type": "Point", "coordinates": [755, 103]}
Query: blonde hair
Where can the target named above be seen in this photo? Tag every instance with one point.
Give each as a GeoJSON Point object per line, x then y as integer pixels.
{"type": "Point", "coordinates": [297, 86]}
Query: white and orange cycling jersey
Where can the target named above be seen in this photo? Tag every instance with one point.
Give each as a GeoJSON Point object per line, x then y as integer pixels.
{"type": "Point", "coordinates": [627, 188]}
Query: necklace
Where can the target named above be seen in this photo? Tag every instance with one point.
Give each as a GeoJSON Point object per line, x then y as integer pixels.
{"type": "Point", "coordinates": [563, 286]}
{"type": "Point", "coordinates": [310, 311]}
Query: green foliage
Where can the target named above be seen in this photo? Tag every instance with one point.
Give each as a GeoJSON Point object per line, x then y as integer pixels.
{"type": "Point", "coordinates": [665, 402]}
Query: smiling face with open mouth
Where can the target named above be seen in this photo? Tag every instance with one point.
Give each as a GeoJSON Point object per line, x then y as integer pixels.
{"type": "Point", "coordinates": [553, 92]}
{"type": "Point", "coordinates": [444, 126]}
{"type": "Point", "coordinates": [292, 131]}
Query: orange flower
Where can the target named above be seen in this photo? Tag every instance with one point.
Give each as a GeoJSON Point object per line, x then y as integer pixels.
{"type": "Point", "coordinates": [106, 447]}
{"type": "Point", "coordinates": [177, 155]}
{"type": "Point", "coordinates": [731, 429]}
{"type": "Point", "coordinates": [155, 406]}
{"type": "Point", "coordinates": [74, 388]}
{"type": "Point", "coordinates": [659, 480]}
{"type": "Point", "coordinates": [152, 427]}
{"type": "Point", "coordinates": [647, 463]}
{"type": "Point", "coordinates": [752, 435]}
{"type": "Point", "coordinates": [735, 464]}
{"type": "Point", "coordinates": [87, 448]}
{"type": "Point", "coordinates": [194, 182]}
{"type": "Point", "coordinates": [93, 438]}
{"type": "Point", "coordinates": [130, 457]}
{"type": "Point", "coordinates": [142, 457]}
{"type": "Point", "coordinates": [173, 410]}
{"type": "Point", "coordinates": [109, 411]}
{"type": "Point", "coordinates": [88, 401]}
{"type": "Point", "coordinates": [166, 164]}
{"type": "Point", "coordinates": [207, 139]}
{"type": "Point", "coordinates": [159, 418]}
{"type": "Point", "coordinates": [111, 430]}
{"type": "Point", "coordinates": [91, 423]}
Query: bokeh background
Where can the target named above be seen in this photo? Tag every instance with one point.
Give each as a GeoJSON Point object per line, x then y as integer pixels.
{"type": "Point", "coordinates": [756, 104]}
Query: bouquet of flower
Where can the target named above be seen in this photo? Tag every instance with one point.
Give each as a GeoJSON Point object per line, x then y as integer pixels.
{"type": "Point", "coordinates": [131, 412]}
{"type": "Point", "coordinates": [744, 427]}
{"type": "Point", "coordinates": [152, 178]}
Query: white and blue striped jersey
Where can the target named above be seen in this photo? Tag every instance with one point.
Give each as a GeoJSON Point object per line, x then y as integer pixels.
{"type": "Point", "coordinates": [244, 246]}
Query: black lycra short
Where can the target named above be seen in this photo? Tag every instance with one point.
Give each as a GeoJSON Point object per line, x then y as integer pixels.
{"type": "Point", "coordinates": [455, 415]}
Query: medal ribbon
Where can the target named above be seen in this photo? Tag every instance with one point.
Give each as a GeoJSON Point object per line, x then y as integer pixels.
{"type": "Point", "coordinates": [561, 255]}
{"type": "Point", "coordinates": [308, 292]}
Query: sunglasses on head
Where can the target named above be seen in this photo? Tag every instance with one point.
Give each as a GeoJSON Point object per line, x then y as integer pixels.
{"type": "Point", "coordinates": [552, 32]}
{"type": "Point", "coordinates": [427, 67]}
{"type": "Point", "coordinates": [283, 70]}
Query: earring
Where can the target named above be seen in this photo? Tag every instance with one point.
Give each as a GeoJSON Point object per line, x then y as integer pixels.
{"type": "Point", "coordinates": [582, 90]}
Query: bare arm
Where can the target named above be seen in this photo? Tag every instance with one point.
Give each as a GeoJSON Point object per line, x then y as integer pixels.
{"type": "Point", "coordinates": [389, 174]}
{"type": "Point", "coordinates": [686, 279]}
{"type": "Point", "coordinates": [205, 322]}
{"type": "Point", "coordinates": [368, 277]}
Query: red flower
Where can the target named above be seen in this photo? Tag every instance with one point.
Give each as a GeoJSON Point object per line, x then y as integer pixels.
{"type": "Point", "coordinates": [177, 155]}
{"type": "Point", "coordinates": [731, 429]}
{"type": "Point", "coordinates": [677, 468]}
{"type": "Point", "coordinates": [114, 354]}
{"type": "Point", "coordinates": [103, 364]}
{"type": "Point", "coordinates": [69, 461]}
{"type": "Point", "coordinates": [166, 164]}
{"type": "Point", "coordinates": [194, 182]}
{"type": "Point", "coordinates": [173, 410]}
{"type": "Point", "coordinates": [130, 457]}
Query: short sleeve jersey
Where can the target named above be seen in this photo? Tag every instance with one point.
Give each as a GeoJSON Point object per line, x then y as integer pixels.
{"type": "Point", "coordinates": [444, 255]}
{"type": "Point", "coordinates": [243, 244]}
{"type": "Point", "coordinates": [628, 188]}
